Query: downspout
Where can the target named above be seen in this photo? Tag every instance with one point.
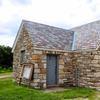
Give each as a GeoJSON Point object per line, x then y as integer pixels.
{"type": "Point", "coordinates": [74, 40]}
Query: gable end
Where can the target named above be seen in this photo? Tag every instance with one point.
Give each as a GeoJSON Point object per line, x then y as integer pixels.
{"type": "Point", "coordinates": [17, 36]}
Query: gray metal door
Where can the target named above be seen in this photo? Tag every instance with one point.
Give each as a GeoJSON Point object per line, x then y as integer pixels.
{"type": "Point", "coordinates": [52, 70]}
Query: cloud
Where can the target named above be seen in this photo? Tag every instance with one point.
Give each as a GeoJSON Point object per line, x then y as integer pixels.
{"type": "Point", "coordinates": [20, 2]}
{"type": "Point", "coordinates": [60, 13]}
{"type": "Point", "coordinates": [6, 40]}
{"type": "Point", "coordinates": [0, 3]}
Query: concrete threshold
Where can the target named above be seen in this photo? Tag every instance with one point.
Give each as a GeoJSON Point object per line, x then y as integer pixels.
{"type": "Point", "coordinates": [54, 89]}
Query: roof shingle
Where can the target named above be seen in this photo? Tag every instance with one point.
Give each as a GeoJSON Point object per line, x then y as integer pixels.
{"type": "Point", "coordinates": [49, 37]}
{"type": "Point", "coordinates": [87, 36]}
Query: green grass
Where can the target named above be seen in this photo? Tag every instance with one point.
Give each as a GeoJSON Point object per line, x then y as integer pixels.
{"type": "Point", "coordinates": [5, 70]}
{"type": "Point", "coordinates": [76, 92]}
{"type": "Point", "coordinates": [11, 91]}
{"type": "Point", "coordinates": [6, 73]}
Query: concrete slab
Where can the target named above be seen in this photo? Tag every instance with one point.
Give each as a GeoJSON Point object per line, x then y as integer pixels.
{"type": "Point", "coordinates": [54, 89]}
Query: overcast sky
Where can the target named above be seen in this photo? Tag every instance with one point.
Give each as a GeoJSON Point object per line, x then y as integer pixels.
{"type": "Point", "coordinates": [61, 13]}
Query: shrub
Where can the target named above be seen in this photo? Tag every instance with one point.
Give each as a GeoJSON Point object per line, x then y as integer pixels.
{"type": "Point", "coordinates": [5, 57]}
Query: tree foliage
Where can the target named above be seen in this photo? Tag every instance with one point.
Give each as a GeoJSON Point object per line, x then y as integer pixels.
{"type": "Point", "coordinates": [5, 56]}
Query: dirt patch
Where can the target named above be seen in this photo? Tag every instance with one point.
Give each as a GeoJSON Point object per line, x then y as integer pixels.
{"type": "Point", "coordinates": [56, 89]}
{"type": "Point", "coordinates": [5, 75]}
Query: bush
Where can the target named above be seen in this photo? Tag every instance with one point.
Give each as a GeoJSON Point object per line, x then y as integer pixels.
{"type": "Point", "coordinates": [5, 70]}
{"type": "Point", "coordinates": [5, 57]}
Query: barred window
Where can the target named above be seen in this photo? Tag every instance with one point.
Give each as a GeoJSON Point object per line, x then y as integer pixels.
{"type": "Point", "coordinates": [22, 58]}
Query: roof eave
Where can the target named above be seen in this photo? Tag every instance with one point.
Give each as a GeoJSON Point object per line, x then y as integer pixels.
{"type": "Point", "coordinates": [35, 48]}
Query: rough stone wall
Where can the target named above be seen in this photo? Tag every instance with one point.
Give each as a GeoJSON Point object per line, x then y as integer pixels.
{"type": "Point", "coordinates": [40, 59]}
{"type": "Point", "coordinates": [81, 68]}
{"type": "Point", "coordinates": [23, 43]}
{"type": "Point", "coordinates": [36, 57]}
{"type": "Point", "coordinates": [75, 68]}
{"type": "Point", "coordinates": [67, 65]}
{"type": "Point", "coordinates": [88, 64]}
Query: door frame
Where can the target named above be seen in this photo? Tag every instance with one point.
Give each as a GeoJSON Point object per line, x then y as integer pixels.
{"type": "Point", "coordinates": [57, 71]}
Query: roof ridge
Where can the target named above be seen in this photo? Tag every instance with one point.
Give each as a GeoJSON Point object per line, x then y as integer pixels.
{"type": "Point", "coordinates": [85, 24]}
{"type": "Point", "coordinates": [28, 21]}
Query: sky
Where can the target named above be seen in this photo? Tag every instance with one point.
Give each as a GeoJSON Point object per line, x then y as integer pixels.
{"type": "Point", "coordinates": [60, 13]}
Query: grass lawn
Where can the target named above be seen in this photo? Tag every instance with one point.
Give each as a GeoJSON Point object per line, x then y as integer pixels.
{"type": "Point", "coordinates": [5, 71]}
{"type": "Point", "coordinates": [11, 91]}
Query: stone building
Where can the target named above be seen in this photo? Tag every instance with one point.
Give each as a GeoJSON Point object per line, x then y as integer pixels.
{"type": "Point", "coordinates": [46, 56]}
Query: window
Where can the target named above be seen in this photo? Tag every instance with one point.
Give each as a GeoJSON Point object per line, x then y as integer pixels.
{"type": "Point", "coordinates": [22, 59]}
{"type": "Point", "coordinates": [27, 73]}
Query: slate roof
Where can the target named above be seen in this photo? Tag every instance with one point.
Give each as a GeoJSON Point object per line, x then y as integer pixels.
{"type": "Point", "coordinates": [49, 37]}
{"type": "Point", "coordinates": [87, 36]}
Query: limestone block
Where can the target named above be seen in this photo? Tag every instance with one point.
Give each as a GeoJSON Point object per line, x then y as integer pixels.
{"type": "Point", "coordinates": [44, 61]}
{"type": "Point", "coordinates": [67, 69]}
{"type": "Point", "coordinates": [97, 65]}
{"type": "Point", "coordinates": [43, 81]}
{"type": "Point", "coordinates": [45, 65]}
{"type": "Point", "coordinates": [36, 76]}
{"type": "Point", "coordinates": [37, 52]}
{"type": "Point", "coordinates": [36, 80]}
{"type": "Point", "coordinates": [99, 62]}
{"type": "Point", "coordinates": [35, 57]}
{"type": "Point", "coordinates": [36, 60]}
{"type": "Point", "coordinates": [55, 52]}
{"type": "Point", "coordinates": [44, 85]}
{"type": "Point", "coordinates": [79, 60]}
{"type": "Point", "coordinates": [95, 52]}
{"type": "Point", "coordinates": [61, 81]}
{"type": "Point", "coordinates": [66, 54]}
{"type": "Point", "coordinates": [61, 71]}
{"type": "Point", "coordinates": [36, 70]}
{"type": "Point", "coordinates": [82, 84]}
{"type": "Point", "coordinates": [97, 74]}
{"type": "Point", "coordinates": [88, 70]}
{"type": "Point", "coordinates": [41, 67]}
{"type": "Point", "coordinates": [44, 57]}
{"type": "Point", "coordinates": [97, 84]}
{"type": "Point", "coordinates": [44, 77]}
{"type": "Point", "coordinates": [40, 76]}
{"type": "Point", "coordinates": [35, 65]}
{"type": "Point", "coordinates": [96, 57]}
{"type": "Point", "coordinates": [61, 61]}
{"type": "Point", "coordinates": [99, 57]}
{"type": "Point", "coordinates": [42, 71]}
{"type": "Point", "coordinates": [60, 56]}
{"type": "Point", "coordinates": [61, 66]}
{"type": "Point", "coordinates": [90, 84]}
{"type": "Point", "coordinates": [34, 84]}
{"type": "Point", "coordinates": [94, 61]}
{"type": "Point", "coordinates": [62, 76]}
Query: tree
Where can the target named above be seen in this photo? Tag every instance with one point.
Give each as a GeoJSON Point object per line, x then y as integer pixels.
{"type": "Point", "coordinates": [5, 56]}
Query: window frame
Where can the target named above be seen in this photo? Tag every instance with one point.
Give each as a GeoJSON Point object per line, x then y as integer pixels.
{"type": "Point", "coordinates": [22, 56]}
